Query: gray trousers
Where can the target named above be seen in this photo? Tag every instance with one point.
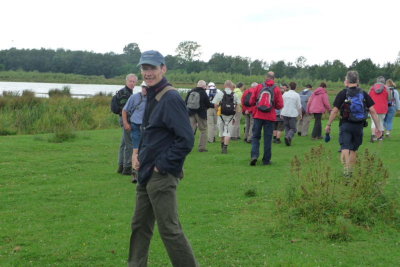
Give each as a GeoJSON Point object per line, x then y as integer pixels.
{"type": "Point", "coordinates": [290, 126]}
{"type": "Point", "coordinates": [236, 125]}
{"type": "Point", "coordinates": [201, 124]}
{"type": "Point", "coordinates": [212, 124]}
{"type": "Point", "coordinates": [304, 123]}
{"type": "Point", "coordinates": [248, 134]}
{"type": "Point", "coordinates": [157, 202]}
{"type": "Point", "coordinates": [125, 149]}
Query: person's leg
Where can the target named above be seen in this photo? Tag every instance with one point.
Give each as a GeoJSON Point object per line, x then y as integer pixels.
{"type": "Point", "coordinates": [128, 149]}
{"type": "Point", "coordinates": [292, 128]}
{"type": "Point", "coordinates": [247, 126]}
{"type": "Point", "coordinates": [162, 194]}
{"type": "Point", "coordinates": [317, 130]}
{"type": "Point", "coordinates": [210, 125]}
{"type": "Point", "coordinates": [236, 128]}
{"type": "Point", "coordinates": [255, 141]}
{"type": "Point", "coordinates": [388, 122]}
{"type": "Point", "coordinates": [250, 136]}
{"type": "Point", "coordinates": [142, 229]}
{"type": "Point", "coordinates": [202, 124]}
{"type": "Point", "coordinates": [121, 153]}
{"type": "Point", "coordinates": [306, 124]}
{"type": "Point", "coordinates": [268, 129]}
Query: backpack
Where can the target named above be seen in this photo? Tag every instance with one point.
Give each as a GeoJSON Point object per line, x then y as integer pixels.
{"type": "Point", "coordinates": [304, 97]}
{"type": "Point", "coordinates": [212, 93]}
{"type": "Point", "coordinates": [265, 101]}
{"type": "Point", "coordinates": [119, 100]}
{"type": "Point", "coordinates": [247, 99]}
{"type": "Point", "coordinates": [227, 104]}
{"type": "Point", "coordinates": [193, 101]}
{"type": "Point", "coordinates": [354, 108]}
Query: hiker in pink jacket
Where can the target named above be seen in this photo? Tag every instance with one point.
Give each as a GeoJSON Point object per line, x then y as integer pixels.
{"type": "Point", "coordinates": [317, 105]}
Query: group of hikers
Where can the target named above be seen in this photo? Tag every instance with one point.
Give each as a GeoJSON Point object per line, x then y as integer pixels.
{"type": "Point", "coordinates": [159, 128]}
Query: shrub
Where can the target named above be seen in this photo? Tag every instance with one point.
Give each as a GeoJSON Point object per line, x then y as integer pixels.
{"type": "Point", "coordinates": [318, 193]}
{"type": "Point", "coordinates": [65, 91]}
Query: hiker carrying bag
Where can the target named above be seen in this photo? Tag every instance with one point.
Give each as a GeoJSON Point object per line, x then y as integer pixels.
{"type": "Point", "coordinates": [119, 100]}
{"type": "Point", "coordinates": [265, 101]}
{"type": "Point", "coordinates": [354, 108]}
{"type": "Point", "coordinates": [247, 99]}
{"type": "Point", "coordinates": [228, 106]}
{"type": "Point", "coordinates": [193, 101]}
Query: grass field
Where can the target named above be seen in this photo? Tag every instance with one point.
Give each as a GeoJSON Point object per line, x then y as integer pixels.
{"type": "Point", "coordinates": [62, 204]}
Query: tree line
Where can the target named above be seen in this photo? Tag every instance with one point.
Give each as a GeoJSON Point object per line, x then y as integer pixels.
{"type": "Point", "coordinates": [186, 60]}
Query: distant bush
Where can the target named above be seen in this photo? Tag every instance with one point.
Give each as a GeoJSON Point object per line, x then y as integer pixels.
{"type": "Point", "coordinates": [65, 91]}
{"type": "Point", "coordinates": [318, 193]}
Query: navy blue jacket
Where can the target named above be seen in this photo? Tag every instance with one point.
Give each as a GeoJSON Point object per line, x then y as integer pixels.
{"type": "Point", "coordinates": [167, 137]}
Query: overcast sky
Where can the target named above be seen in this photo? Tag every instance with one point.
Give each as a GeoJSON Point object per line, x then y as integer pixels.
{"type": "Point", "coordinates": [318, 30]}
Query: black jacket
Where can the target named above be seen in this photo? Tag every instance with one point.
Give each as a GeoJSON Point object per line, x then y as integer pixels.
{"type": "Point", "coordinates": [167, 137]}
{"type": "Point", "coordinates": [204, 103]}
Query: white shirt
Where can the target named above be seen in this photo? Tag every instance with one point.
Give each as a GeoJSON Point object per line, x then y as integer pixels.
{"type": "Point", "coordinates": [291, 104]}
{"type": "Point", "coordinates": [220, 94]}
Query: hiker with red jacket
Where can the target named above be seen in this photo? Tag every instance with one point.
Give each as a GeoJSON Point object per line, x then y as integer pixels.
{"type": "Point", "coordinates": [247, 111]}
{"type": "Point", "coordinates": [266, 98]}
{"type": "Point", "coordinates": [379, 93]}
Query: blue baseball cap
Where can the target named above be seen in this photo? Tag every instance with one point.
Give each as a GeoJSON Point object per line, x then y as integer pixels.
{"type": "Point", "coordinates": [152, 57]}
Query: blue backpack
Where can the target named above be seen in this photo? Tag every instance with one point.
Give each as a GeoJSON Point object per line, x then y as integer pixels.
{"type": "Point", "coordinates": [354, 107]}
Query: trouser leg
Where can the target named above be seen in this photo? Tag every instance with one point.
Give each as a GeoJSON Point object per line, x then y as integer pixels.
{"type": "Point", "coordinates": [268, 131]}
{"type": "Point", "coordinates": [162, 193]}
{"type": "Point", "coordinates": [255, 141]}
{"type": "Point", "coordinates": [128, 149]}
{"type": "Point", "coordinates": [142, 229]}
{"type": "Point", "coordinates": [202, 125]}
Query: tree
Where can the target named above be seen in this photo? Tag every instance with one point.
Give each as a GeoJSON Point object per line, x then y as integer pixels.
{"type": "Point", "coordinates": [132, 52]}
{"type": "Point", "coordinates": [366, 69]}
{"type": "Point", "coordinates": [188, 51]}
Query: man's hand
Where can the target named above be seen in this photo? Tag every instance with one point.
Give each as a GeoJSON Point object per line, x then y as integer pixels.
{"type": "Point", "coordinates": [127, 126]}
{"type": "Point", "coordinates": [328, 129]}
{"type": "Point", "coordinates": [136, 163]}
{"type": "Point", "coordinates": [378, 133]}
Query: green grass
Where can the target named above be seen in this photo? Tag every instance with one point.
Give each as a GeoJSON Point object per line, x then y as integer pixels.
{"type": "Point", "coordinates": [62, 204]}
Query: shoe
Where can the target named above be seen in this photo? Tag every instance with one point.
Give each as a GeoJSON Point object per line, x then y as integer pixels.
{"type": "Point", "coordinates": [248, 141]}
{"type": "Point", "coordinates": [373, 138]}
{"type": "Point", "coordinates": [127, 171]}
{"type": "Point", "coordinates": [278, 141]}
{"type": "Point", "coordinates": [299, 133]}
{"type": "Point", "coordinates": [287, 141]}
{"type": "Point", "coordinates": [134, 177]}
{"type": "Point", "coordinates": [120, 168]}
{"type": "Point", "coordinates": [224, 149]}
{"type": "Point", "coordinates": [203, 150]}
{"type": "Point", "coordinates": [380, 138]}
{"type": "Point", "coordinates": [253, 162]}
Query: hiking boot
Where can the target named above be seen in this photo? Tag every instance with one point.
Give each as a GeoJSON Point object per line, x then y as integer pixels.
{"type": "Point", "coordinates": [380, 138]}
{"type": "Point", "coordinates": [299, 133]}
{"type": "Point", "coordinates": [224, 149]}
{"type": "Point", "coordinates": [278, 141]}
{"type": "Point", "coordinates": [288, 141]}
{"type": "Point", "coordinates": [253, 162]}
{"type": "Point", "coordinates": [120, 168]}
{"type": "Point", "coordinates": [373, 138]}
{"type": "Point", "coordinates": [127, 171]}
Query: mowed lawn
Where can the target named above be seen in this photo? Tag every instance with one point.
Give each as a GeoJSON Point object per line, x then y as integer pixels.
{"type": "Point", "coordinates": [65, 205]}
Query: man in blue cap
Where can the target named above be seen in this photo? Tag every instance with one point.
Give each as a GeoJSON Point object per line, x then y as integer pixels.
{"type": "Point", "coordinates": [167, 138]}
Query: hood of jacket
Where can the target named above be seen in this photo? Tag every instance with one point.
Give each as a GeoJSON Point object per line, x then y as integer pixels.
{"type": "Point", "coordinates": [320, 90]}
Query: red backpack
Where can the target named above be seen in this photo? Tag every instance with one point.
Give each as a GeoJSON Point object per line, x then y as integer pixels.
{"type": "Point", "coordinates": [265, 100]}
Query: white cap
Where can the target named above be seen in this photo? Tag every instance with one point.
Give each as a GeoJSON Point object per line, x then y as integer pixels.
{"type": "Point", "coordinates": [211, 85]}
{"type": "Point", "coordinates": [143, 84]}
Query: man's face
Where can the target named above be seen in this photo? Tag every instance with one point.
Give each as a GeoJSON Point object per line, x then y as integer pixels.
{"type": "Point", "coordinates": [131, 82]}
{"type": "Point", "coordinates": [153, 74]}
{"type": "Point", "coordinates": [144, 90]}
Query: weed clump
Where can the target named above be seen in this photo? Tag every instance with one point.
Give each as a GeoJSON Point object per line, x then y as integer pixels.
{"type": "Point", "coordinates": [319, 193]}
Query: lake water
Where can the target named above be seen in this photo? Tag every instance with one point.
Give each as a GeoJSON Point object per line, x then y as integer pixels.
{"type": "Point", "coordinates": [77, 90]}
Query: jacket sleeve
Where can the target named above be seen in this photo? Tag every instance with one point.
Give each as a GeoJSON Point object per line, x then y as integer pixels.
{"type": "Point", "coordinates": [326, 102]}
{"type": "Point", "coordinates": [278, 99]}
{"type": "Point", "coordinates": [176, 120]}
{"type": "Point", "coordinates": [206, 100]}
